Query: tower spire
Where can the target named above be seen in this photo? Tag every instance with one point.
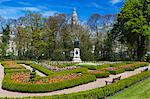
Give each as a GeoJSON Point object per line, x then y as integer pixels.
{"type": "Point", "coordinates": [74, 20]}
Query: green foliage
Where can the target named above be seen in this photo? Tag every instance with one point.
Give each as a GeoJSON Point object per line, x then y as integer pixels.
{"type": "Point", "coordinates": [103, 66]}
{"type": "Point", "coordinates": [16, 86]}
{"type": "Point", "coordinates": [132, 26]}
{"type": "Point", "coordinates": [6, 66]}
{"type": "Point", "coordinates": [24, 62]}
{"type": "Point", "coordinates": [5, 40]}
{"type": "Point", "coordinates": [100, 74]}
{"type": "Point", "coordinates": [15, 70]}
{"type": "Point", "coordinates": [32, 75]}
{"type": "Point", "coordinates": [117, 64]}
{"type": "Point", "coordinates": [41, 69]}
{"type": "Point", "coordinates": [117, 71]}
{"type": "Point", "coordinates": [101, 92]}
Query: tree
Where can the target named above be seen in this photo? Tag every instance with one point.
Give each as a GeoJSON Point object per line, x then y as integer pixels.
{"type": "Point", "coordinates": [5, 40]}
{"type": "Point", "coordinates": [132, 27]}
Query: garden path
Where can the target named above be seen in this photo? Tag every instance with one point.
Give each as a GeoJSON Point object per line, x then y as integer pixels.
{"type": "Point", "coordinates": [98, 83]}
{"type": "Point", "coordinates": [30, 68]}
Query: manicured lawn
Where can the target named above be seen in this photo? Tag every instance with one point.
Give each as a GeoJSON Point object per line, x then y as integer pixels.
{"type": "Point", "coordinates": [138, 91]}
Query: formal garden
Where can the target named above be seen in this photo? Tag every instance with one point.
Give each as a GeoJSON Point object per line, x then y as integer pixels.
{"type": "Point", "coordinates": [77, 49]}
{"type": "Point", "coordinates": [68, 75]}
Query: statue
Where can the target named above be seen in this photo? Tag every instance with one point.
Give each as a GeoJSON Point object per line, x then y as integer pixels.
{"type": "Point", "coordinates": [76, 54]}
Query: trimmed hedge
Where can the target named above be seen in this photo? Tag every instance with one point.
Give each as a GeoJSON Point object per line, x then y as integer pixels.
{"type": "Point", "coordinates": [102, 92]}
{"type": "Point", "coordinates": [41, 69]}
{"type": "Point", "coordinates": [15, 70]}
{"type": "Point", "coordinates": [103, 66]}
{"type": "Point", "coordinates": [15, 65]}
{"type": "Point", "coordinates": [118, 71]}
{"type": "Point", "coordinates": [117, 64]}
{"type": "Point", "coordinates": [129, 68]}
{"type": "Point", "coordinates": [114, 70]}
{"type": "Point", "coordinates": [99, 74]}
{"type": "Point", "coordinates": [24, 62]}
{"type": "Point", "coordinates": [95, 67]}
{"type": "Point", "coordinates": [91, 67]}
{"type": "Point", "coordinates": [24, 87]}
{"type": "Point", "coordinates": [77, 70]}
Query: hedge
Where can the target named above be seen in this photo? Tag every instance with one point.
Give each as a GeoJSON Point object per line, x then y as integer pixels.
{"type": "Point", "coordinates": [9, 84]}
{"type": "Point", "coordinates": [41, 69]}
{"type": "Point", "coordinates": [99, 74]}
{"type": "Point", "coordinates": [103, 66]}
{"type": "Point", "coordinates": [117, 64]}
{"type": "Point", "coordinates": [95, 67]}
{"type": "Point", "coordinates": [77, 70]}
{"type": "Point", "coordinates": [24, 62]}
{"type": "Point", "coordinates": [129, 68]}
{"type": "Point", "coordinates": [15, 65]}
{"type": "Point", "coordinates": [102, 92]}
{"type": "Point", "coordinates": [15, 70]}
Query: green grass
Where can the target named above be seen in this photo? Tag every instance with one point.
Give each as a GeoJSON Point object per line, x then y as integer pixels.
{"type": "Point", "coordinates": [140, 90]}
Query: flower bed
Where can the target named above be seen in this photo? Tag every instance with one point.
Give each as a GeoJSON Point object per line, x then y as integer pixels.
{"type": "Point", "coordinates": [49, 72]}
{"type": "Point", "coordinates": [102, 92]}
{"type": "Point", "coordinates": [99, 74]}
{"type": "Point", "coordinates": [20, 82]}
{"type": "Point", "coordinates": [11, 65]}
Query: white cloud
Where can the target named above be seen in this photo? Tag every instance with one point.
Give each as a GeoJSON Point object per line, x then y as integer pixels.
{"type": "Point", "coordinates": [49, 13]}
{"type": "Point", "coordinates": [15, 12]}
{"type": "Point", "coordinates": [115, 1]}
{"type": "Point", "coordinates": [30, 9]}
{"type": "Point", "coordinates": [96, 5]}
{"type": "Point", "coordinates": [24, 3]}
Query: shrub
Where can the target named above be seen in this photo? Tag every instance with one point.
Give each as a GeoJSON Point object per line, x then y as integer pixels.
{"type": "Point", "coordinates": [30, 87]}
{"type": "Point", "coordinates": [77, 70]}
{"type": "Point", "coordinates": [11, 65]}
{"type": "Point", "coordinates": [41, 69]}
{"type": "Point", "coordinates": [103, 66]}
{"type": "Point", "coordinates": [99, 74]}
{"type": "Point", "coordinates": [114, 70]}
{"type": "Point", "coordinates": [117, 64]}
{"type": "Point", "coordinates": [91, 67]}
{"type": "Point", "coordinates": [24, 62]}
{"type": "Point", "coordinates": [140, 64]}
{"type": "Point", "coordinates": [128, 68]}
{"type": "Point", "coordinates": [102, 92]}
{"type": "Point", "coordinates": [32, 75]}
{"type": "Point", "coordinates": [15, 70]}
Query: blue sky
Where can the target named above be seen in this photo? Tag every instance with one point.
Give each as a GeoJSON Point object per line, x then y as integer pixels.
{"type": "Point", "coordinates": [17, 8]}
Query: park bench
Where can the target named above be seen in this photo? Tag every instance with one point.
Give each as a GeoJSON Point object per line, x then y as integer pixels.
{"type": "Point", "coordinates": [146, 69]}
{"type": "Point", "coordinates": [114, 80]}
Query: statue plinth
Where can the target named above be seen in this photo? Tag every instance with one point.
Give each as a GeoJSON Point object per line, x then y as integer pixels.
{"type": "Point", "coordinates": [76, 57]}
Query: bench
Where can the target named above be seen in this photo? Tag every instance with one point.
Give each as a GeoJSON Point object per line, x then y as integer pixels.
{"type": "Point", "coordinates": [114, 80]}
{"type": "Point", "coordinates": [146, 69]}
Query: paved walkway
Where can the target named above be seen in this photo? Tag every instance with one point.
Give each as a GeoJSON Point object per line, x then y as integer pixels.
{"type": "Point", "coordinates": [30, 68]}
{"type": "Point", "coordinates": [98, 83]}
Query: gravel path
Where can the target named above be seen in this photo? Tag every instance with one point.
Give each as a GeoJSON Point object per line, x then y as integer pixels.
{"type": "Point", "coordinates": [30, 68]}
{"type": "Point", "coordinates": [98, 83]}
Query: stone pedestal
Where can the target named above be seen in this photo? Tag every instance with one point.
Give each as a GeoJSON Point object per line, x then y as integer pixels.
{"type": "Point", "coordinates": [76, 56]}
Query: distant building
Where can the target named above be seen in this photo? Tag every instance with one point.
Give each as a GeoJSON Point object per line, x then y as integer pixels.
{"type": "Point", "coordinates": [11, 44]}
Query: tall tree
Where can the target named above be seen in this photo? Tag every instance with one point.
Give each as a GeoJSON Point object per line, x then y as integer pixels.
{"type": "Point", "coordinates": [132, 26]}
{"type": "Point", "coordinates": [5, 40]}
